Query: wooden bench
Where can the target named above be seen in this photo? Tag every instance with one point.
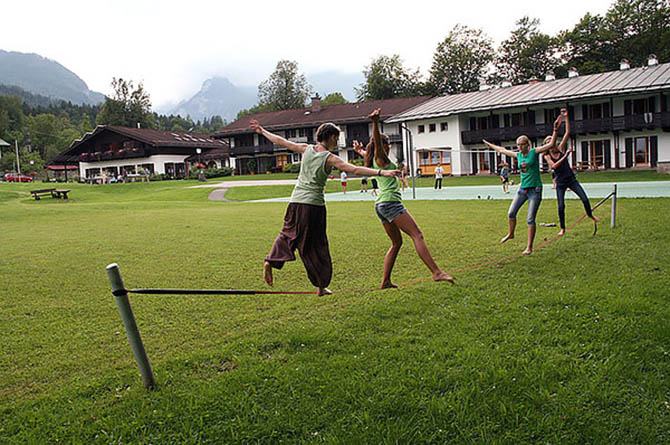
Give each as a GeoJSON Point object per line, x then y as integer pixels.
{"type": "Point", "coordinates": [55, 193]}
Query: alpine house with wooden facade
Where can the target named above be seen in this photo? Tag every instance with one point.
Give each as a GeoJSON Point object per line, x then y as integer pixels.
{"type": "Point", "coordinates": [119, 151]}
{"type": "Point", "coordinates": [255, 154]}
{"type": "Point", "coordinates": [619, 119]}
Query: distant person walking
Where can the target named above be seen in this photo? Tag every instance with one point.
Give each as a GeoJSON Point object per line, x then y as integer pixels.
{"type": "Point", "coordinates": [504, 177]}
{"type": "Point", "coordinates": [343, 180]}
{"type": "Point", "coordinates": [439, 172]}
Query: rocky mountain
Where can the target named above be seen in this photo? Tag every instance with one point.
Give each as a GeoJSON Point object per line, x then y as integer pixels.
{"type": "Point", "coordinates": [39, 75]}
{"type": "Point", "coordinates": [217, 96]}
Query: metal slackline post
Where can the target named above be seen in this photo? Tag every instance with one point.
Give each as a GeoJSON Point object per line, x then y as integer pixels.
{"type": "Point", "coordinates": [122, 301]}
{"type": "Point", "coordinates": [410, 150]}
{"type": "Point", "coordinates": [613, 222]}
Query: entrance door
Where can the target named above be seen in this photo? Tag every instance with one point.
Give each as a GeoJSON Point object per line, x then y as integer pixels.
{"type": "Point", "coordinates": [641, 148]}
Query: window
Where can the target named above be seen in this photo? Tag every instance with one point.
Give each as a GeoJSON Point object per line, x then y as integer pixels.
{"type": "Point", "coordinates": [431, 128]}
{"type": "Point", "coordinates": [422, 129]}
{"type": "Point", "coordinates": [282, 159]}
{"type": "Point", "coordinates": [290, 134]}
{"type": "Point", "coordinates": [302, 132]}
{"type": "Point", "coordinates": [641, 151]}
{"type": "Point", "coordinates": [425, 158]}
{"type": "Point", "coordinates": [444, 126]}
{"type": "Point", "coordinates": [148, 168]}
{"type": "Point", "coordinates": [296, 157]}
{"type": "Point", "coordinates": [434, 157]}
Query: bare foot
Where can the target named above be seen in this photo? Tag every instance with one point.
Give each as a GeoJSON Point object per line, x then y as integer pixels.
{"type": "Point", "coordinates": [562, 232]}
{"type": "Point", "coordinates": [323, 291]}
{"type": "Point", "coordinates": [595, 219]}
{"type": "Point", "coordinates": [388, 285]}
{"type": "Point", "coordinates": [267, 273]}
{"type": "Point", "coordinates": [442, 276]}
{"type": "Point", "coordinates": [528, 251]}
{"type": "Point", "coordinates": [509, 236]}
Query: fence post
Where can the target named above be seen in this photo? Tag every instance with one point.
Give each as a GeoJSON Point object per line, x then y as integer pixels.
{"type": "Point", "coordinates": [613, 222]}
{"type": "Point", "coordinates": [119, 291]}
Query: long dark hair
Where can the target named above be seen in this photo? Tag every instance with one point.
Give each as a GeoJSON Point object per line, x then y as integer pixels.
{"type": "Point", "coordinates": [379, 154]}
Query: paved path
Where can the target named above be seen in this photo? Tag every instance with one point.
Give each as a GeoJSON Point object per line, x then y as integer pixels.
{"type": "Point", "coordinates": [648, 189]}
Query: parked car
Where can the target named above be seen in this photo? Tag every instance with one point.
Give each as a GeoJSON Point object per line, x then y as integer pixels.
{"type": "Point", "coordinates": [17, 177]}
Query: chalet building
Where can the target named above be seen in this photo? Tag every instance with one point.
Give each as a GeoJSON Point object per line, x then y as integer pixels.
{"type": "Point", "coordinates": [254, 153]}
{"type": "Point", "coordinates": [120, 151]}
{"type": "Point", "coordinates": [619, 119]}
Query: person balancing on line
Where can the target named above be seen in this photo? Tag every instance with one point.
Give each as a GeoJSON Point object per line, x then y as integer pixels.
{"type": "Point", "coordinates": [390, 210]}
{"type": "Point", "coordinates": [557, 158]}
{"type": "Point", "coordinates": [530, 188]}
{"type": "Point", "coordinates": [305, 220]}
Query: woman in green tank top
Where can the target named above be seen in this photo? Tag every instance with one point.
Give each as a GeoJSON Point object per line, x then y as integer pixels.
{"type": "Point", "coordinates": [305, 220]}
{"type": "Point", "coordinates": [393, 215]}
{"type": "Point", "coordinates": [531, 182]}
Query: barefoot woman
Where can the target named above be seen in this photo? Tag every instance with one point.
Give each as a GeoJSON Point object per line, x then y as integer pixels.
{"type": "Point", "coordinates": [305, 220]}
{"type": "Point", "coordinates": [531, 183]}
{"type": "Point", "coordinates": [393, 215]}
{"type": "Point", "coordinates": [557, 157]}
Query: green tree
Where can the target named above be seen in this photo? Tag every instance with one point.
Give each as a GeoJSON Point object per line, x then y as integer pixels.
{"type": "Point", "coordinates": [255, 109]}
{"type": "Point", "coordinates": [44, 130]}
{"type": "Point", "coordinates": [528, 53]}
{"type": "Point", "coordinates": [285, 89]}
{"type": "Point", "coordinates": [334, 99]}
{"type": "Point", "coordinates": [386, 78]}
{"type": "Point", "coordinates": [128, 106]}
{"type": "Point", "coordinates": [85, 124]}
{"type": "Point", "coordinates": [460, 61]}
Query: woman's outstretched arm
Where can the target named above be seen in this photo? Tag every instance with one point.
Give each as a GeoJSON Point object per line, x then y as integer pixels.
{"type": "Point", "coordinates": [276, 139]}
{"type": "Point", "coordinates": [499, 149]}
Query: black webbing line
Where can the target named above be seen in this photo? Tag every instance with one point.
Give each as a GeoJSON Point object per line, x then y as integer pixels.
{"type": "Point", "coordinates": [210, 292]}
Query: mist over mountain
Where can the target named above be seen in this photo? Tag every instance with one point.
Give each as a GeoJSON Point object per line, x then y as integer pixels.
{"type": "Point", "coordinates": [38, 75]}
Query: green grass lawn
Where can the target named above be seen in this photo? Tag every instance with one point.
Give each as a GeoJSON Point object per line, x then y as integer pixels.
{"type": "Point", "coordinates": [569, 345]}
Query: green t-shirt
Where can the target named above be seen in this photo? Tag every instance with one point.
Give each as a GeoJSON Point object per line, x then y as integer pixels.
{"type": "Point", "coordinates": [530, 169]}
{"type": "Point", "coordinates": [389, 187]}
{"type": "Point", "coordinates": [312, 178]}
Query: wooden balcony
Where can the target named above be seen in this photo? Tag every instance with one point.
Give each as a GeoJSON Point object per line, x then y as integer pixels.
{"type": "Point", "coordinates": [645, 121]}
{"type": "Point", "coordinates": [247, 150]}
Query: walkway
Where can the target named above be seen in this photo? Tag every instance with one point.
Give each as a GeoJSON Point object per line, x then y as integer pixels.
{"type": "Point", "coordinates": [648, 189]}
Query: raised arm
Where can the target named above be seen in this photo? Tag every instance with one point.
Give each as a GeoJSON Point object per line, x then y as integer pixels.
{"type": "Point", "coordinates": [566, 136]}
{"type": "Point", "coordinates": [275, 139]}
{"type": "Point", "coordinates": [553, 164]}
{"type": "Point", "coordinates": [546, 147]}
{"type": "Point", "coordinates": [381, 158]}
{"type": "Point", "coordinates": [499, 149]}
{"type": "Point", "coordinates": [339, 163]}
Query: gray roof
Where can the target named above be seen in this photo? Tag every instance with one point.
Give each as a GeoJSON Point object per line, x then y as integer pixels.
{"type": "Point", "coordinates": [612, 83]}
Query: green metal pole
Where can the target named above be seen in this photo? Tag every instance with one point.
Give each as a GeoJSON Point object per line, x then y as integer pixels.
{"type": "Point", "coordinates": [122, 301]}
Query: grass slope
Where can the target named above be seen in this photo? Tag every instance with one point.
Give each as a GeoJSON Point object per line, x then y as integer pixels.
{"type": "Point", "coordinates": [569, 345]}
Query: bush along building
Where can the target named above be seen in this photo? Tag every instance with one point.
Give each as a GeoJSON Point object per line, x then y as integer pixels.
{"type": "Point", "coordinates": [122, 151]}
{"type": "Point", "coordinates": [619, 120]}
{"type": "Point", "coordinates": [253, 153]}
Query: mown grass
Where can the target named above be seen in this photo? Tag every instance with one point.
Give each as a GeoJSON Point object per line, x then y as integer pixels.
{"type": "Point", "coordinates": [569, 345]}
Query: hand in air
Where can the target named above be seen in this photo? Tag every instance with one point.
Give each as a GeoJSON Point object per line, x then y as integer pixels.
{"type": "Point", "coordinates": [375, 114]}
{"type": "Point", "coordinates": [564, 112]}
{"type": "Point", "coordinates": [358, 148]}
{"type": "Point", "coordinates": [557, 122]}
{"type": "Point", "coordinates": [255, 126]}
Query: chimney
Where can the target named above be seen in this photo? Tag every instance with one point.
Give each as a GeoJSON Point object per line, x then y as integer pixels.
{"type": "Point", "coordinates": [652, 60]}
{"type": "Point", "coordinates": [138, 125]}
{"type": "Point", "coordinates": [549, 76]}
{"type": "Point", "coordinates": [624, 65]}
{"type": "Point", "coordinates": [572, 72]}
{"type": "Point", "coordinates": [316, 103]}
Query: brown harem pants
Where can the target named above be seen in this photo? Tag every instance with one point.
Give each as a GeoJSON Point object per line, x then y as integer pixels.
{"type": "Point", "coordinates": [304, 229]}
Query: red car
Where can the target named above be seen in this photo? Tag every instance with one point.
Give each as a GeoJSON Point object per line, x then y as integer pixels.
{"type": "Point", "coordinates": [16, 177]}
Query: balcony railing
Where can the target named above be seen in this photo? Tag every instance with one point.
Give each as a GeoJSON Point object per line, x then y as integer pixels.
{"type": "Point", "coordinates": [110, 155]}
{"type": "Point", "coordinates": [244, 150]}
{"type": "Point", "coordinates": [586, 126]}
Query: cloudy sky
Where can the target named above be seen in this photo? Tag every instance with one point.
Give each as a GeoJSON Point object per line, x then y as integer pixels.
{"type": "Point", "coordinates": [173, 46]}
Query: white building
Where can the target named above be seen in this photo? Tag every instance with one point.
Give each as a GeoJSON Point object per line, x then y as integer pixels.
{"type": "Point", "coordinates": [619, 119]}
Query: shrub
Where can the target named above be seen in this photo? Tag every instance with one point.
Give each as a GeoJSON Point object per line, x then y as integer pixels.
{"type": "Point", "coordinates": [218, 172]}
{"type": "Point", "coordinates": [286, 168]}
{"type": "Point", "coordinates": [295, 168]}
